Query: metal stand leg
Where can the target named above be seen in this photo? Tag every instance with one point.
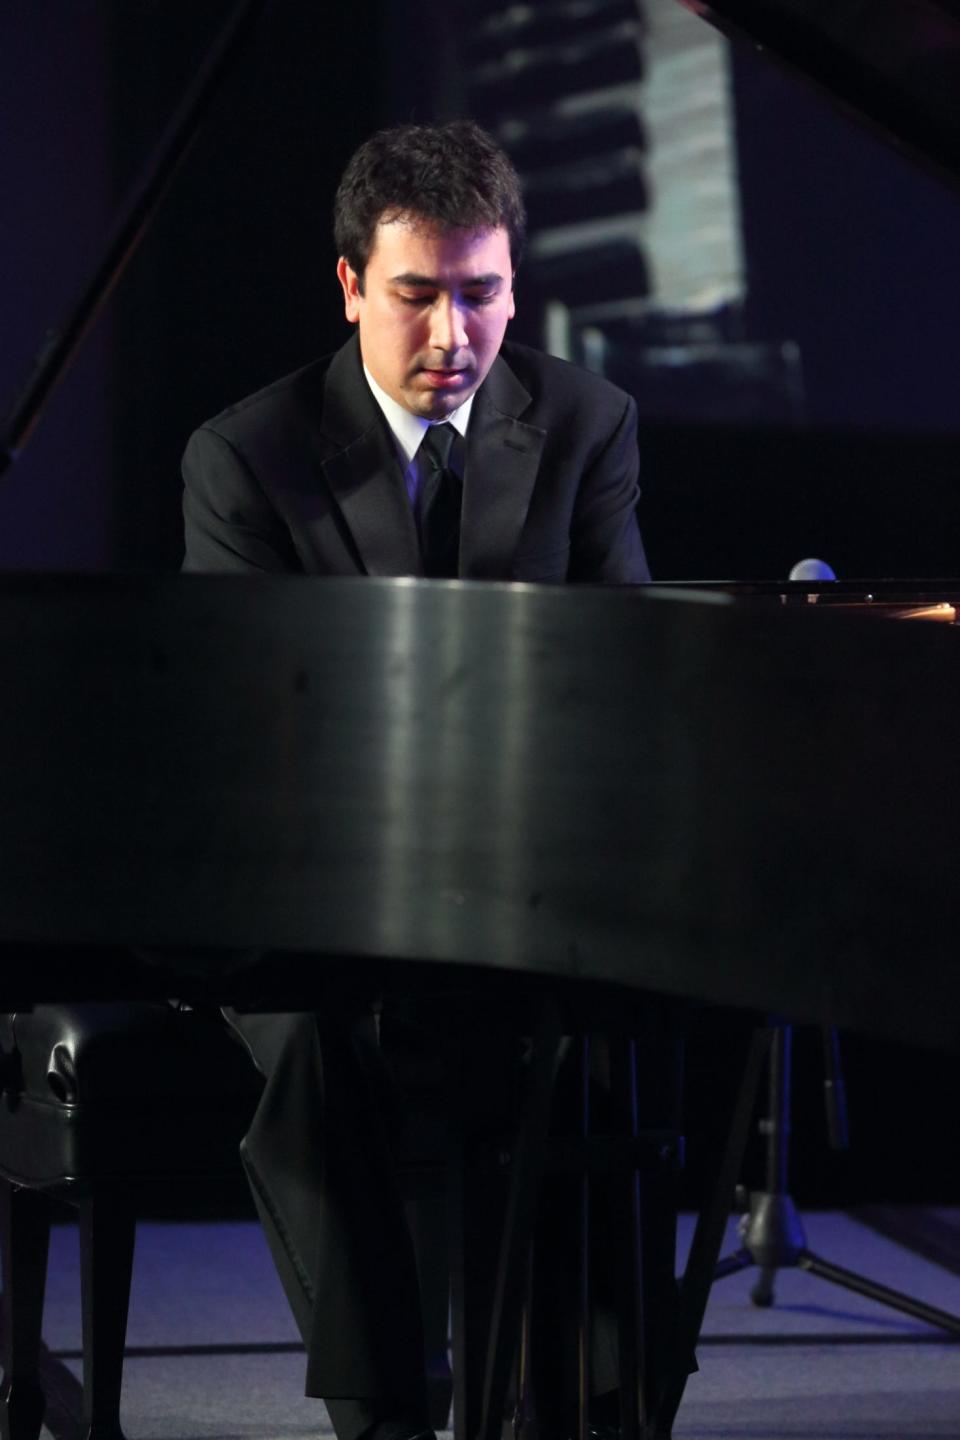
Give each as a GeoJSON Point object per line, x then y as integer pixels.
{"type": "Point", "coordinates": [708, 1237]}
{"type": "Point", "coordinates": [523, 1412]}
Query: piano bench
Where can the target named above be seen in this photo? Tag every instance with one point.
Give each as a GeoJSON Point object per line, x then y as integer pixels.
{"type": "Point", "coordinates": [100, 1104]}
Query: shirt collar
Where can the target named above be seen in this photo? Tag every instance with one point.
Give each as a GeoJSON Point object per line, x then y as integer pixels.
{"type": "Point", "coordinates": [407, 429]}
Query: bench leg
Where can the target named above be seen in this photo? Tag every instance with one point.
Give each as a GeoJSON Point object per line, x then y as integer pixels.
{"type": "Point", "coordinates": [107, 1228]}
{"type": "Point", "coordinates": [24, 1243]}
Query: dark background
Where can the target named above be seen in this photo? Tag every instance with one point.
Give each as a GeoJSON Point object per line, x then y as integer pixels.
{"type": "Point", "coordinates": [851, 253]}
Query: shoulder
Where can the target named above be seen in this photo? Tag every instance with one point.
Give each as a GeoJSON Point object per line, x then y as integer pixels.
{"type": "Point", "coordinates": [327, 402]}
{"type": "Point", "coordinates": [556, 385]}
{"type": "Point", "coordinates": [284, 400]}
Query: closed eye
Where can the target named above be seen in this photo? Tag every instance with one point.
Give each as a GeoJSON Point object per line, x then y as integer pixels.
{"type": "Point", "coordinates": [474, 301]}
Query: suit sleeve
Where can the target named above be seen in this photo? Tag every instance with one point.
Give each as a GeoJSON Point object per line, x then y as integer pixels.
{"type": "Point", "coordinates": [229, 523]}
{"type": "Point", "coordinates": [606, 546]}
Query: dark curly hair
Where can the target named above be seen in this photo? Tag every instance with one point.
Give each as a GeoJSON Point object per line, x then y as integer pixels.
{"type": "Point", "coordinates": [454, 175]}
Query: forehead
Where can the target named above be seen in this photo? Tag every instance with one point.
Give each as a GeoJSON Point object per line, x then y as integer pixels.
{"type": "Point", "coordinates": [410, 245]}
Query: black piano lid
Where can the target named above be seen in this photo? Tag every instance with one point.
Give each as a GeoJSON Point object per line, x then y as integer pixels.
{"type": "Point", "coordinates": [895, 63]}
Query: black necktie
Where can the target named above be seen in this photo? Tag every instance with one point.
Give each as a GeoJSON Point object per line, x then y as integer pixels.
{"type": "Point", "coordinates": [438, 504]}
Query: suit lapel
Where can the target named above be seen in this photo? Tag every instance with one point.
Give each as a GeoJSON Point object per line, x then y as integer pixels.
{"type": "Point", "coordinates": [364, 472]}
{"type": "Point", "coordinates": [366, 481]}
{"type": "Point", "coordinates": [503, 456]}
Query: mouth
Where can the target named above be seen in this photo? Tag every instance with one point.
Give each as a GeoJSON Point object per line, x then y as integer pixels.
{"type": "Point", "coordinates": [444, 379]}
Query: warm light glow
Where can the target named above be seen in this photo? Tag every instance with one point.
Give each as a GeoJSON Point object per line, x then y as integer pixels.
{"type": "Point", "coordinates": [943, 611]}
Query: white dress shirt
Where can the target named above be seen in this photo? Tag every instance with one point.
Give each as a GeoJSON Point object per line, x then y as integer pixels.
{"type": "Point", "coordinates": [408, 430]}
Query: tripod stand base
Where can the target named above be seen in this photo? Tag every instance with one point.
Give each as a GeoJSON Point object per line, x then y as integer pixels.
{"type": "Point", "coordinates": [773, 1239]}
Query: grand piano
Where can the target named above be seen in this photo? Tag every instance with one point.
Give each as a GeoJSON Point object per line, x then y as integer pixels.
{"type": "Point", "coordinates": [222, 788]}
{"type": "Point", "coordinates": [677, 791]}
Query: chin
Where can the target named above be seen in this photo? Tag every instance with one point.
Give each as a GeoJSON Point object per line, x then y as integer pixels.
{"type": "Point", "coordinates": [434, 407]}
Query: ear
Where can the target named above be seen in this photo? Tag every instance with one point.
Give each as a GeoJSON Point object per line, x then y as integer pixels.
{"type": "Point", "coordinates": [350, 284]}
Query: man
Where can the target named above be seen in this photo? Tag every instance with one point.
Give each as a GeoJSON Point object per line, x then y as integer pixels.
{"type": "Point", "coordinates": [304, 475]}
{"type": "Point", "coordinates": [427, 445]}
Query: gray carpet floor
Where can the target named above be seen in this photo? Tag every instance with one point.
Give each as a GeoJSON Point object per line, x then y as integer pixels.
{"type": "Point", "coordinates": [213, 1353]}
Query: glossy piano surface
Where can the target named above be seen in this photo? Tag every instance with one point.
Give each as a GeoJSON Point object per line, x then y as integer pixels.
{"type": "Point", "coordinates": [745, 803]}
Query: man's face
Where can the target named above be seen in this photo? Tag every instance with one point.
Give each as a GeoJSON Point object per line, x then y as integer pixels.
{"type": "Point", "coordinates": [433, 311]}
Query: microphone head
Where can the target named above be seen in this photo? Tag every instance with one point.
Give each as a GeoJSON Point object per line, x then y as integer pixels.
{"type": "Point", "coordinates": [812, 570]}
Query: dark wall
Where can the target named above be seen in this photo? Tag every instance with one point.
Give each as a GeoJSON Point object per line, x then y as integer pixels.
{"type": "Point", "coordinates": [236, 284]}
{"type": "Point", "coordinates": [232, 285]}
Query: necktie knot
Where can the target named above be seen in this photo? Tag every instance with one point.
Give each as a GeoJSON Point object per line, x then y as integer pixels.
{"type": "Point", "coordinates": [437, 444]}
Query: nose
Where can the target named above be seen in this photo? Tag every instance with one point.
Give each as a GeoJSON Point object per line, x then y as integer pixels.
{"type": "Point", "coordinates": [448, 331]}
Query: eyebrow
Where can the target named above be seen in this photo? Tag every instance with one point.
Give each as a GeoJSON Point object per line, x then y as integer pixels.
{"type": "Point", "coordinates": [408, 278]}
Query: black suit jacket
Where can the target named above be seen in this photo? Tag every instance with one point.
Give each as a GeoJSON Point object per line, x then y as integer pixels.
{"type": "Point", "coordinates": [304, 476]}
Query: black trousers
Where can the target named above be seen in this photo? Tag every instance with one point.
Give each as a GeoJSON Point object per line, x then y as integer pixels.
{"type": "Point", "coordinates": [321, 1168]}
